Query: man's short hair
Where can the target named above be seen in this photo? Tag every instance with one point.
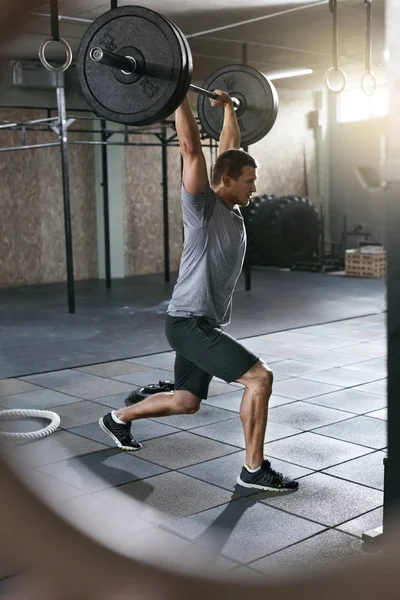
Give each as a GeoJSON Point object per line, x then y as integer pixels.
{"type": "Point", "coordinates": [232, 162]}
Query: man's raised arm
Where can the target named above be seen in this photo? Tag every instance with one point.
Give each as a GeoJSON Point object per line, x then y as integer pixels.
{"type": "Point", "coordinates": [230, 134]}
{"type": "Point", "coordinates": [195, 176]}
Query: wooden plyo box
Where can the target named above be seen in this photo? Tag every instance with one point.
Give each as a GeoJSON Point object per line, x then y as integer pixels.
{"type": "Point", "coordinates": [362, 264]}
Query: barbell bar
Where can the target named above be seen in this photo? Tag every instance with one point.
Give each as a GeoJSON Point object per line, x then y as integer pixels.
{"type": "Point", "coordinates": [151, 71]}
{"type": "Point", "coordinates": [128, 64]}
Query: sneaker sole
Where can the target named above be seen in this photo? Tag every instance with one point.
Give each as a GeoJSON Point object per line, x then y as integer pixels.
{"type": "Point", "coordinates": [116, 440]}
{"type": "Point", "coordinates": [265, 488]}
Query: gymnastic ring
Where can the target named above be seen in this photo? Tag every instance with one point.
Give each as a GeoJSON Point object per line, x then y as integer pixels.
{"type": "Point", "coordinates": [46, 64]}
{"type": "Point", "coordinates": [363, 85]}
{"type": "Point", "coordinates": [328, 76]}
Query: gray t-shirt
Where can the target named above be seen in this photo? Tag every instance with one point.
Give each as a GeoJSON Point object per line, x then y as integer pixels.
{"type": "Point", "coordinates": [212, 258]}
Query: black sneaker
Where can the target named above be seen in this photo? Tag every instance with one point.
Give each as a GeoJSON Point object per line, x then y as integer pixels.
{"type": "Point", "coordinates": [121, 434]}
{"type": "Point", "coordinates": [266, 479]}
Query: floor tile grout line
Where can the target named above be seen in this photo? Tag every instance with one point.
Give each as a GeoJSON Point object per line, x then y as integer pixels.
{"type": "Point", "coordinates": [154, 420]}
{"type": "Point", "coordinates": [322, 469]}
{"type": "Point", "coordinates": [114, 446]}
{"type": "Point", "coordinates": [194, 542]}
{"type": "Point", "coordinates": [113, 486]}
{"type": "Point", "coordinates": [315, 432]}
{"type": "Point", "coordinates": [42, 387]}
{"type": "Point", "coordinates": [317, 324]}
{"type": "Point", "coordinates": [311, 429]}
{"type": "Point", "coordinates": [328, 528]}
{"type": "Point", "coordinates": [105, 449]}
{"type": "Point", "coordinates": [253, 501]}
{"type": "Point", "coordinates": [310, 537]}
{"type": "Point", "coordinates": [241, 448]}
{"type": "Point", "coordinates": [350, 418]}
{"type": "Point", "coordinates": [352, 387]}
{"type": "Point", "coordinates": [293, 514]}
{"type": "Point", "coordinates": [369, 487]}
{"type": "Point", "coordinates": [128, 358]}
{"type": "Point", "coordinates": [342, 409]}
{"type": "Point", "coordinates": [312, 362]}
{"type": "Point", "coordinates": [304, 378]}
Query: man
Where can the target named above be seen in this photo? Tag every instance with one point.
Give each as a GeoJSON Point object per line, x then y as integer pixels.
{"type": "Point", "coordinates": [212, 260]}
{"type": "Point", "coordinates": [58, 561]}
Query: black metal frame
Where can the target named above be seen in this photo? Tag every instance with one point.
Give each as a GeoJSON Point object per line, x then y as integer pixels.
{"type": "Point", "coordinates": [63, 135]}
{"type": "Point", "coordinates": [60, 125]}
{"type": "Point", "coordinates": [106, 206]}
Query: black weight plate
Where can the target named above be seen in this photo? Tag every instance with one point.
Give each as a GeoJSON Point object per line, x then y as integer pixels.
{"type": "Point", "coordinates": [148, 390]}
{"type": "Point", "coordinates": [258, 111]}
{"type": "Point", "coordinates": [149, 98]}
{"type": "Point", "coordinates": [186, 75]}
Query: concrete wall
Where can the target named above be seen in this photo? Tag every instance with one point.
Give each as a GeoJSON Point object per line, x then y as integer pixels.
{"type": "Point", "coordinates": [32, 246]}
{"type": "Point", "coordinates": [287, 155]}
{"type": "Point", "coordinates": [144, 235]}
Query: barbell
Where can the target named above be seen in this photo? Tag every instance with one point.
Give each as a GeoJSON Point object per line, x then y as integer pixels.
{"type": "Point", "coordinates": [135, 66]}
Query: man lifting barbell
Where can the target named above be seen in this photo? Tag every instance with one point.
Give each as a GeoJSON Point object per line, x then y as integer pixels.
{"type": "Point", "coordinates": [212, 260]}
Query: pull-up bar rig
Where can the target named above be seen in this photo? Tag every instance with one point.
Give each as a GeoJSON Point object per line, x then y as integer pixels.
{"type": "Point", "coordinates": [165, 136]}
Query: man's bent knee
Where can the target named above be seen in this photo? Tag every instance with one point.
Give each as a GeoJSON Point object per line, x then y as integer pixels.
{"type": "Point", "coordinates": [186, 402]}
{"type": "Point", "coordinates": [260, 375]}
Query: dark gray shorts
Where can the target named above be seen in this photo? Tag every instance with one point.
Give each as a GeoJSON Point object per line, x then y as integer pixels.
{"type": "Point", "coordinates": [204, 350]}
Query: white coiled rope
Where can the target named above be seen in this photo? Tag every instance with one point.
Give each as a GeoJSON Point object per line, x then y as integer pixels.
{"type": "Point", "coordinates": [26, 413]}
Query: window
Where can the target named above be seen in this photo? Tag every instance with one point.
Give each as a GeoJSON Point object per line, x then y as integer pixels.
{"type": "Point", "coordinates": [354, 105]}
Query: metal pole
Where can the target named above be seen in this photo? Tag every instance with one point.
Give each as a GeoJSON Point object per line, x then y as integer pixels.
{"type": "Point", "coordinates": [66, 196]}
{"type": "Point", "coordinates": [99, 143]}
{"type": "Point", "coordinates": [10, 148]}
{"type": "Point", "coordinates": [106, 208]}
{"type": "Point", "coordinates": [164, 148]}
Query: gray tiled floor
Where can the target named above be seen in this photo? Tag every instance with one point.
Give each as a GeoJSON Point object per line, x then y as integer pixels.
{"type": "Point", "coordinates": [237, 533]}
{"type": "Point", "coordinates": [231, 432]}
{"type": "Point", "coordinates": [111, 467]}
{"type": "Point", "coordinates": [367, 470]}
{"type": "Point", "coordinates": [302, 415]}
{"type": "Point", "coordinates": [41, 399]}
{"type": "Point", "coordinates": [326, 550]}
{"type": "Point", "coordinates": [328, 500]}
{"type": "Point", "coordinates": [358, 430]}
{"type": "Point", "coordinates": [326, 428]}
{"type": "Point", "coordinates": [205, 416]}
{"type": "Point", "coordinates": [314, 451]}
{"type": "Point", "coordinates": [352, 400]}
{"type": "Point", "coordinates": [342, 377]}
{"type": "Point", "coordinates": [366, 522]}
